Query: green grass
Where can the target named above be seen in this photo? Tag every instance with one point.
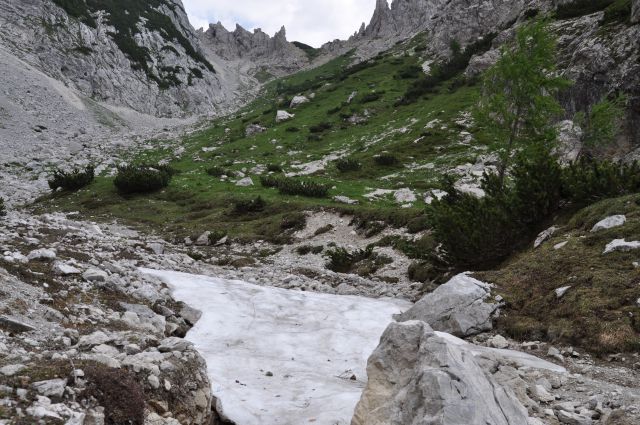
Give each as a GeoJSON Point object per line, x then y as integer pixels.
{"type": "Point", "coordinates": [196, 201]}
{"type": "Point", "coordinates": [600, 310]}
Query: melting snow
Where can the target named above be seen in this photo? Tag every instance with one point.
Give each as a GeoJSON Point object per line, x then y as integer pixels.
{"type": "Point", "coordinates": [312, 344]}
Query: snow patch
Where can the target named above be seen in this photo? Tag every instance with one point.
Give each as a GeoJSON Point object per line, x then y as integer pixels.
{"type": "Point", "coordinates": [278, 356]}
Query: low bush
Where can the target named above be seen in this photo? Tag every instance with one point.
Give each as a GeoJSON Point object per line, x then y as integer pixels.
{"type": "Point", "coordinates": [292, 129]}
{"type": "Point", "coordinates": [320, 128]}
{"type": "Point", "coordinates": [291, 186]}
{"type": "Point", "coordinates": [72, 180]}
{"type": "Point", "coordinates": [422, 272]}
{"type": "Point", "coordinates": [308, 249]}
{"type": "Point", "coordinates": [410, 72]}
{"type": "Point", "coordinates": [142, 178]}
{"type": "Point", "coordinates": [344, 165]}
{"type": "Point", "coordinates": [216, 171]}
{"type": "Point", "coordinates": [370, 97]}
{"type": "Point", "coordinates": [246, 206]}
{"type": "Point", "coordinates": [589, 181]}
{"type": "Point", "coordinates": [385, 160]}
{"type": "Point", "coordinates": [324, 229]}
{"type": "Point", "coordinates": [119, 392]}
{"type": "Point", "coordinates": [363, 262]}
{"type": "Point", "coordinates": [618, 12]}
{"type": "Point", "coordinates": [293, 221]}
{"type": "Point", "coordinates": [274, 168]}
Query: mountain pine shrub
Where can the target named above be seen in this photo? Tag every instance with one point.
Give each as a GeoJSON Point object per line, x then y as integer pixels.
{"type": "Point", "coordinates": [291, 186]}
{"type": "Point", "coordinates": [344, 165]}
{"type": "Point", "coordinates": [72, 180]}
{"type": "Point", "coordinates": [245, 206]}
{"type": "Point", "coordinates": [143, 178]}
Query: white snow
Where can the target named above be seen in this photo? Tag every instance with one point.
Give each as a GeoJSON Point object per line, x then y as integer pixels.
{"type": "Point", "coordinates": [312, 344]}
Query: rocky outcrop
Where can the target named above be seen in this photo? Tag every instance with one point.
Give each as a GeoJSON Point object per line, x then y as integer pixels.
{"type": "Point", "coordinates": [635, 11]}
{"type": "Point", "coordinates": [459, 307]}
{"type": "Point", "coordinates": [152, 65]}
{"type": "Point", "coordinates": [417, 375]}
{"type": "Point", "coordinates": [262, 53]}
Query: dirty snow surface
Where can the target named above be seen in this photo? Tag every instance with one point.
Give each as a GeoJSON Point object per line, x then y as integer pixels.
{"type": "Point", "coordinates": [312, 344]}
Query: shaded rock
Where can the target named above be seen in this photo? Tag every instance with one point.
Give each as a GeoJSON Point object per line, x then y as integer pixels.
{"type": "Point", "coordinates": [458, 307]}
{"type": "Point", "coordinates": [42, 254]}
{"type": "Point", "coordinates": [621, 245]}
{"type": "Point", "coordinates": [156, 247]}
{"type": "Point", "coordinates": [50, 388]}
{"type": "Point", "coordinates": [190, 314]}
{"type": "Point", "coordinates": [419, 376]}
{"type": "Point", "coordinates": [174, 344]}
{"type": "Point", "coordinates": [253, 129]}
{"type": "Point", "coordinates": [15, 326]}
{"type": "Point", "coordinates": [95, 275]}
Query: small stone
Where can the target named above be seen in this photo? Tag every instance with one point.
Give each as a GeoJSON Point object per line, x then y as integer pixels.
{"type": "Point", "coordinates": [95, 275]}
{"type": "Point", "coordinates": [561, 291]}
{"type": "Point", "coordinates": [154, 381]}
{"type": "Point", "coordinates": [269, 374]}
{"type": "Point", "coordinates": [11, 370]}
{"type": "Point", "coordinates": [63, 269]}
{"type": "Point", "coordinates": [42, 254]}
{"type": "Point", "coordinates": [50, 388]}
{"type": "Point", "coordinates": [246, 182]}
{"type": "Point", "coordinates": [499, 341]}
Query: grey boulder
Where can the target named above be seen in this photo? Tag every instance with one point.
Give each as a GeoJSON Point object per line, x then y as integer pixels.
{"type": "Point", "coordinates": [458, 307]}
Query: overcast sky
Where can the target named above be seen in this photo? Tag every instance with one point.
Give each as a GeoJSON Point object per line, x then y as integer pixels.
{"type": "Point", "coordinates": [310, 21]}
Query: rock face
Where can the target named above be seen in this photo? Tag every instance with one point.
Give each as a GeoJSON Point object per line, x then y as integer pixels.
{"type": "Point", "coordinates": [458, 307]}
{"type": "Point", "coordinates": [417, 375]}
{"type": "Point", "coordinates": [635, 11]}
{"type": "Point", "coordinates": [257, 51]}
{"type": "Point", "coordinates": [153, 65]}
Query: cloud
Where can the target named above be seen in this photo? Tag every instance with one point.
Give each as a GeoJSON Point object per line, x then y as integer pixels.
{"type": "Point", "coordinates": [308, 21]}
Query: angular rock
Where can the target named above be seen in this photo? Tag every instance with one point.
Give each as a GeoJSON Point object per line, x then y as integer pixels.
{"type": "Point", "coordinates": [610, 223]}
{"type": "Point", "coordinates": [42, 254]}
{"type": "Point", "coordinates": [174, 344]}
{"type": "Point", "coordinates": [12, 369]}
{"type": "Point", "coordinates": [284, 116]}
{"type": "Point", "coordinates": [545, 236]}
{"type": "Point", "coordinates": [418, 376]}
{"type": "Point", "coordinates": [156, 247]}
{"type": "Point", "coordinates": [345, 200]}
{"type": "Point", "coordinates": [14, 326]}
{"type": "Point", "coordinates": [246, 182]}
{"type": "Point", "coordinates": [621, 245]}
{"type": "Point", "coordinates": [561, 291]}
{"type": "Point", "coordinates": [50, 388]}
{"type": "Point", "coordinates": [253, 129]}
{"type": "Point", "coordinates": [190, 314]}
{"type": "Point", "coordinates": [95, 275]}
{"type": "Point", "coordinates": [63, 269]}
{"type": "Point", "coordinates": [458, 307]}
{"type": "Point", "coordinates": [298, 100]}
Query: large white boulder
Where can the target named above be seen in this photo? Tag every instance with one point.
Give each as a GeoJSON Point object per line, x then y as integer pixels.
{"type": "Point", "coordinates": [458, 307]}
{"type": "Point", "coordinates": [610, 223]}
{"type": "Point", "coordinates": [298, 100]}
{"type": "Point", "coordinates": [419, 376]}
{"type": "Point", "coordinates": [283, 116]}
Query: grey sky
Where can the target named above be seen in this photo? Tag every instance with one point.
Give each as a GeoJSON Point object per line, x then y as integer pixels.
{"type": "Point", "coordinates": [308, 21]}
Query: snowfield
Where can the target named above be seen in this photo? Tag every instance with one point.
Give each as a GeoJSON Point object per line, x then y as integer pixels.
{"type": "Point", "coordinates": [277, 356]}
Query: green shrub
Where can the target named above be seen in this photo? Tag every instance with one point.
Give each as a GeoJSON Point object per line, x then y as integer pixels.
{"type": "Point", "coordinates": [245, 206]}
{"type": "Point", "coordinates": [618, 11]}
{"type": "Point", "coordinates": [422, 272]}
{"type": "Point", "coordinates": [274, 168]}
{"type": "Point", "coordinates": [386, 160]}
{"type": "Point", "coordinates": [292, 129]}
{"type": "Point", "coordinates": [73, 180]}
{"type": "Point", "coordinates": [324, 229]}
{"type": "Point", "coordinates": [363, 262]}
{"type": "Point", "coordinates": [345, 165]}
{"type": "Point", "coordinates": [577, 8]}
{"type": "Point", "coordinates": [308, 249]}
{"type": "Point", "coordinates": [589, 181]}
{"type": "Point", "coordinates": [410, 72]}
{"type": "Point", "coordinates": [291, 186]}
{"type": "Point", "coordinates": [320, 128]}
{"type": "Point", "coordinates": [293, 221]}
{"type": "Point", "coordinates": [142, 178]}
{"type": "Point", "coordinates": [370, 97]}
{"type": "Point", "coordinates": [216, 171]}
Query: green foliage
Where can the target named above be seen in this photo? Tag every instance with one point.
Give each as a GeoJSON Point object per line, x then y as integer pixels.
{"type": "Point", "coordinates": [292, 186]}
{"type": "Point", "coordinates": [142, 178]}
{"type": "Point", "coordinates": [321, 128]}
{"type": "Point", "coordinates": [72, 180]}
{"type": "Point", "coordinates": [308, 249]}
{"type": "Point", "coordinates": [293, 221]}
{"type": "Point", "coordinates": [344, 165]}
{"type": "Point", "coordinates": [445, 70]}
{"type": "Point", "coordinates": [311, 52]}
{"type": "Point", "coordinates": [371, 97]}
{"type": "Point", "coordinates": [363, 262]}
{"type": "Point", "coordinates": [601, 125]}
{"type": "Point", "coordinates": [577, 8]}
{"type": "Point", "coordinates": [618, 12]}
{"type": "Point", "coordinates": [588, 181]}
{"type": "Point", "coordinates": [216, 171]}
{"type": "Point", "coordinates": [274, 168]}
{"type": "Point", "coordinates": [245, 206]}
{"type": "Point", "coordinates": [518, 107]}
{"type": "Point", "coordinates": [386, 160]}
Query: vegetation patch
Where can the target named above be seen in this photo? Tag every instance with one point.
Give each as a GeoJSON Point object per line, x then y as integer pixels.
{"type": "Point", "coordinates": [142, 178]}
{"type": "Point", "coordinates": [72, 180]}
{"type": "Point", "coordinates": [363, 262]}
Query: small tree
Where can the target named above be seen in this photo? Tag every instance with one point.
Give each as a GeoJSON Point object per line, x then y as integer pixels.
{"type": "Point", "coordinates": [518, 106]}
{"type": "Point", "coordinates": [600, 125]}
